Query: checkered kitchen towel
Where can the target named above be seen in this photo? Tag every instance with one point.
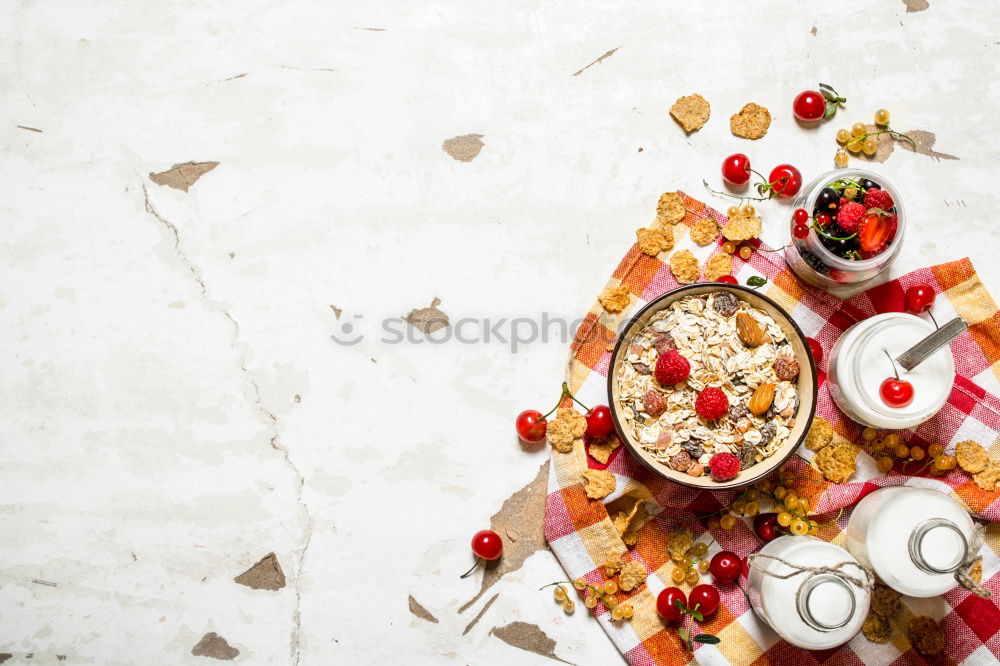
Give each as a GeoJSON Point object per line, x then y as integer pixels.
{"type": "Point", "coordinates": [581, 532]}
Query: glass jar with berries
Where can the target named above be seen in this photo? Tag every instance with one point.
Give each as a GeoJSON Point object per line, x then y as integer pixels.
{"type": "Point", "coordinates": [815, 595]}
{"type": "Point", "coordinates": [918, 541]}
{"type": "Point", "coordinates": [847, 227]}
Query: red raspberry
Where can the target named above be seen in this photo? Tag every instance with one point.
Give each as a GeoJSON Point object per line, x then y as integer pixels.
{"type": "Point", "coordinates": [879, 199]}
{"type": "Point", "coordinates": [724, 466]}
{"type": "Point", "coordinates": [851, 216]}
{"type": "Point", "coordinates": [711, 403]}
{"type": "Point", "coordinates": [671, 368]}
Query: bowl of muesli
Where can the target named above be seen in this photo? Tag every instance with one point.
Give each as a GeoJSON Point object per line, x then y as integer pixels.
{"type": "Point", "coordinates": [712, 386]}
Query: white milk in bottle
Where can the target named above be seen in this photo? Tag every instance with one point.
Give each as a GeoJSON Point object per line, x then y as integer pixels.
{"type": "Point", "coordinates": [792, 588]}
{"type": "Point", "coordinates": [915, 539]}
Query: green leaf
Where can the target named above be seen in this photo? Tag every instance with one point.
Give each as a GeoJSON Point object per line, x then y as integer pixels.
{"type": "Point", "coordinates": [831, 109]}
{"type": "Point", "coordinates": [824, 86]}
{"type": "Point", "coordinates": [756, 281]}
{"type": "Point", "coordinates": [680, 605]}
{"type": "Point", "coordinates": [707, 639]}
{"type": "Point", "coordinates": [683, 633]}
{"type": "Point", "coordinates": [698, 616]}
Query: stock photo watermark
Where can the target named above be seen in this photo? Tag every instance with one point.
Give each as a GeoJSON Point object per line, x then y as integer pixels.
{"type": "Point", "coordinates": [512, 332]}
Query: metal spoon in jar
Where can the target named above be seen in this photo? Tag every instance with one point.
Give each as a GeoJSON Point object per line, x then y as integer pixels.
{"type": "Point", "coordinates": [921, 351]}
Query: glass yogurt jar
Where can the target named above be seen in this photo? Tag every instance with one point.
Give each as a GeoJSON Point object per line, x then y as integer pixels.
{"type": "Point", "coordinates": [861, 360]}
{"type": "Point", "coordinates": [836, 259]}
{"type": "Point", "coordinates": [809, 609]}
{"type": "Point", "coordinates": [915, 539]}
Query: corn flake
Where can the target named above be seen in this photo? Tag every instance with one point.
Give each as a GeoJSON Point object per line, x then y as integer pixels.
{"type": "Point", "coordinates": [704, 231]}
{"type": "Point", "coordinates": [654, 241]}
{"type": "Point", "coordinates": [615, 299]}
{"type": "Point", "coordinates": [600, 483]}
{"type": "Point", "coordinates": [691, 111]}
{"type": "Point", "coordinates": [751, 122]}
{"type": "Point", "coordinates": [600, 449]}
{"type": "Point", "coordinates": [836, 461]}
{"type": "Point", "coordinates": [684, 266]}
{"type": "Point", "coordinates": [670, 208]}
{"type": "Point", "coordinates": [719, 264]}
{"type": "Point", "coordinates": [563, 431]}
{"type": "Point", "coordinates": [819, 435]}
{"type": "Point", "coordinates": [612, 562]}
{"type": "Point", "coordinates": [971, 456]}
{"type": "Point", "coordinates": [987, 479]}
{"type": "Point", "coordinates": [926, 635]}
{"type": "Point", "coordinates": [679, 540]}
{"type": "Point", "coordinates": [742, 227]}
{"type": "Point", "coordinates": [633, 575]}
{"type": "Point", "coordinates": [876, 628]}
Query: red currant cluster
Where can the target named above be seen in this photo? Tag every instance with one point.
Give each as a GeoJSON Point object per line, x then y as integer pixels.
{"type": "Point", "coordinates": [859, 139]}
{"type": "Point", "coordinates": [889, 449]}
{"type": "Point", "coordinates": [531, 423]}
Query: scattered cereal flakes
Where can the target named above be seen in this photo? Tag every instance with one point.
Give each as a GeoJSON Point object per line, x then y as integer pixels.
{"type": "Point", "coordinates": [612, 562]}
{"type": "Point", "coordinates": [976, 571]}
{"type": "Point", "coordinates": [876, 628]}
{"type": "Point", "coordinates": [684, 266]}
{"type": "Point", "coordinates": [679, 539]}
{"type": "Point", "coordinates": [971, 456]}
{"type": "Point", "coordinates": [615, 299]}
{"type": "Point", "coordinates": [654, 241]}
{"type": "Point", "coordinates": [885, 601]}
{"type": "Point", "coordinates": [742, 227]}
{"type": "Point", "coordinates": [563, 431]}
{"type": "Point", "coordinates": [691, 111]}
{"type": "Point", "coordinates": [633, 575]}
{"type": "Point", "coordinates": [600, 449]}
{"type": "Point", "coordinates": [751, 122]}
{"type": "Point", "coordinates": [718, 265]}
{"type": "Point", "coordinates": [670, 208]}
{"type": "Point", "coordinates": [600, 483]}
{"type": "Point", "coordinates": [629, 523]}
{"type": "Point", "coordinates": [705, 231]}
{"type": "Point", "coordinates": [987, 479]}
{"type": "Point", "coordinates": [836, 461]}
{"type": "Point", "coordinates": [926, 635]}
{"type": "Point", "coordinates": [819, 435]}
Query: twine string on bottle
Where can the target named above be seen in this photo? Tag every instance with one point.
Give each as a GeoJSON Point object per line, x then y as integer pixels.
{"type": "Point", "coordinates": [867, 582]}
{"type": "Point", "coordinates": [962, 574]}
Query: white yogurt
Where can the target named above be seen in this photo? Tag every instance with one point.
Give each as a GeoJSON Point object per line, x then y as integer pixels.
{"type": "Point", "coordinates": [913, 538]}
{"type": "Point", "coordinates": [814, 611]}
{"type": "Point", "coordinates": [858, 366]}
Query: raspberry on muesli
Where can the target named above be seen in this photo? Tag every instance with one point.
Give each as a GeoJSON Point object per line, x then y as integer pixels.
{"type": "Point", "coordinates": [723, 371]}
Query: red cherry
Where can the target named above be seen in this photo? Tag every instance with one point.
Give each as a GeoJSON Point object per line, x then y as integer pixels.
{"type": "Point", "coordinates": [816, 350]}
{"type": "Point", "coordinates": [725, 566]}
{"type": "Point", "coordinates": [599, 421]}
{"type": "Point", "coordinates": [530, 425]}
{"type": "Point", "coordinates": [736, 169]}
{"type": "Point", "coordinates": [785, 180]}
{"type": "Point", "coordinates": [666, 604]}
{"type": "Point", "coordinates": [823, 220]}
{"type": "Point", "coordinates": [809, 105]}
{"type": "Point", "coordinates": [727, 279]}
{"type": "Point", "coordinates": [800, 231]}
{"type": "Point", "coordinates": [919, 297]}
{"type": "Point", "coordinates": [704, 599]}
{"type": "Point", "coordinates": [896, 392]}
{"type": "Point", "coordinates": [764, 525]}
{"type": "Point", "coordinates": [800, 216]}
{"type": "Point", "coordinates": [487, 544]}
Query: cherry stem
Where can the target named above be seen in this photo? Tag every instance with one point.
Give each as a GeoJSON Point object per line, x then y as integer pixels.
{"type": "Point", "coordinates": [733, 196]}
{"type": "Point", "coordinates": [478, 560]}
{"type": "Point", "coordinates": [894, 370]}
{"type": "Point", "coordinates": [931, 315]}
{"type": "Point", "coordinates": [565, 392]}
{"type": "Point", "coordinates": [558, 582]}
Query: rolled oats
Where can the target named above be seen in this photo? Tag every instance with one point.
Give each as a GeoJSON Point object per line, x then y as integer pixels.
{"type": "Point", "coordinates": [703, 330]}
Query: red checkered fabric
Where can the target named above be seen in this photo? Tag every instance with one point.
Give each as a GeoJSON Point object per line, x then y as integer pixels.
{"type": "Point", "coordinates": [581, 531]}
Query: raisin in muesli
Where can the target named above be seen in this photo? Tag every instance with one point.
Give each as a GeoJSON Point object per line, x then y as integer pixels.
{"type": "Point", "coordinates": [767, 433]}
{"type": "Point", "coordinates": [681, 461]}
{"type": "Point", "coordinates": [725, 303]}
{"type": "Point", "coordinates": [786, 367]}
{"type": "Point", "coordinates": [664, 342]}
{"type": "Point", "coordinates": [654, 403]}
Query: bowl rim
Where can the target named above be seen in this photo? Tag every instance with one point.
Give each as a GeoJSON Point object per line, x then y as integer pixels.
{"type": "Point", "coordinates": [659, 468]}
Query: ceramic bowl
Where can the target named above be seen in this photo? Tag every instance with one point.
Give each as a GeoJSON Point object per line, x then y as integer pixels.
{"type": "Point", "coordinates": [806, 385]}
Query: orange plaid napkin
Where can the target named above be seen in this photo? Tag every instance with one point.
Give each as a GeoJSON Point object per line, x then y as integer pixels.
{"type": "Point", "coordinates": [580, 531]}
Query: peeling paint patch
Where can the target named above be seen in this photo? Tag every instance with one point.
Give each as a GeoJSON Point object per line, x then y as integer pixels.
{"type": "Point", "coordinates": [373, 29]}
{"type": "Point", "coordinates": [607, 54]}
{"type": "Point", "coordinates": [527, 637]}
{"type": "Point", "coordinates": [336, 311]}
{"type": "Point", "coordinates": [30, 129]}
{"type": "Point", "coordinates": [428, 319]}
{"type": "Point", "coordinates": [916, 5]}
{"type": "Point", "coordinates": [420, 611]}
{"type": "Point", "coordinates": [215, 646]}
{"type": "Point", "coordinates": [923, 139]}
{"type": "Point", "coordinates": [464, 148]}
{"type": "Point", "coordinates": [480, 614]}
{"type": "Point", "coordinates": [266, 574]}
{"type": "Point", "coordinates": [182, 176]}
{"type": "Point", "coordinates": [5, 656]}
{"type": "Point", "coordinates": [813, 31]}
{"type": "Point", "coordinates": [521, 519]}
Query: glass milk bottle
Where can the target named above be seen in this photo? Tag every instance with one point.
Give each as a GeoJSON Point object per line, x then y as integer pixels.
{"type": "Point", "coordinates": [915, 539]}
{"type": "Point", "coordinates": [809, 609]}
{"type": "Point", "coordinates": [861, 360]}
